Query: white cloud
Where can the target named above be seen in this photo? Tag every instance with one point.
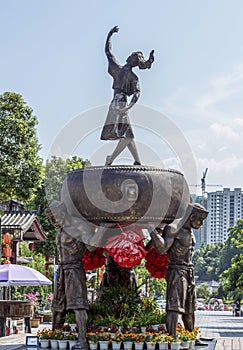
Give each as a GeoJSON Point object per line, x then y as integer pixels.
{"type": "Point", "coordinates": [230, 78]}
{"type": "Point", "coordinates": [227, 165]}
{"type": "Point", "coordinates": [238, 122]}
{"type": "Point", "coordinates": [223, 148]}
{"type": "Point", "coordinates": [220, 98]}
{"type": "Point", "coordinates": [222, 130]}
{"type": "Point", "coordinates": [226, 172]}
{"type": "Point", "coordinates": [211, 120]}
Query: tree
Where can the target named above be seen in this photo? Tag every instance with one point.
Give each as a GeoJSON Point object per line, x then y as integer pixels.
{"type": "Point", "coordinates": [203, 291]}
{"type": "Point", "coordinates": [20, 166]}
{"type": "Point", "coordinates": [229, 250]}
{"type": "Point", "coordinates": [206, 261]}
{"type": "Point", "coordinates": [55, 171]}
{"type": "Point", "coordinates": [157, 286]}
{"type": "Point", "coordinates": [233, 276]}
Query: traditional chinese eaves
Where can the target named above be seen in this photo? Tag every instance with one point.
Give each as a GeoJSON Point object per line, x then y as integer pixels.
{"type": "Point", "coordinates": [26, 222]}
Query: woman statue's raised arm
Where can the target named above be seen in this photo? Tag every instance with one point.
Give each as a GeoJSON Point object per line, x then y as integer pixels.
{"type": "Point", "coordinates": [108, 43]}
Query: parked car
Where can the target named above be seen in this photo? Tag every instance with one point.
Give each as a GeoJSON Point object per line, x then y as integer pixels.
{"type": "Point", "coordinates": [161, 304]}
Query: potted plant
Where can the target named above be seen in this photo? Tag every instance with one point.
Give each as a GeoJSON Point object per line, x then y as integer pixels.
{"type": "Point", "coordinates": [113, 325]}
{"type": "Point", "coordinates": [93, 339]}
{"type": "Point", "coordinates": [174, 342]}
{"type": "Point", "coordinates": [143, 321]}
{"type": "Point", "coordinates": [72, 338]}
{"type": "Point", "coordinates": [127, 339]}
{"type": "Point", "coordinates": [149, 338]}
{"type": "Point", "coordinates": [139, 341]}
{"type": "Point", "coordinates": [44, 337]}
{"type": "Point", "coordinates": [162, 340]}
{"type": "Point", "coordinates": [195, 334]}
{"type": "Point", "coordinates": [53, 339]}
{"type": "Point", "coordinates": [61, 338]}
{"type": "Point", "coordinates": [116, 341]}
{"type": "Point", "coordinates": [185, 337]}
{"type": "Point", "coordinates": [104, 338]}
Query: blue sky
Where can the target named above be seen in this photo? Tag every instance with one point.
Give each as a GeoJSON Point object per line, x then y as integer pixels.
{"type": "Point", "coordinates": [53, 55]}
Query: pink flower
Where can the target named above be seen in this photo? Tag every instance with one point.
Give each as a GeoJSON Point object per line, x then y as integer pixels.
{"type": "Point", "coordinates": [50, 297]}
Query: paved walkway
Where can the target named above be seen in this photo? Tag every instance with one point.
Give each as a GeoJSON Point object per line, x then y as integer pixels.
{"type": "Point", "coordinates": [220, 325]}
{"type": "Point", "coordinates": [17, 341]}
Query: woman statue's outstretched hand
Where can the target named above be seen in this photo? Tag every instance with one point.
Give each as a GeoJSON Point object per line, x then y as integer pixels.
{"type": "Point", "coordinates": [114, 30]}
{"type": "Point", "coordinates": [151, 56]}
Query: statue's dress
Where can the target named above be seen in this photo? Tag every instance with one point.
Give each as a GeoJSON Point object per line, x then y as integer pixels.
{"type": "Point", "coordinates": [125, 83]}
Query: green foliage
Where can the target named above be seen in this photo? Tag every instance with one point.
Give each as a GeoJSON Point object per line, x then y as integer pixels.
{"type": "Point", "coordinates": [124, 307]}
{"type": "Point", "coordinates": [24, 249]}
{"type": "Point", "coordinates": [148, 313]}
{"type": "Point", "coordinates": [203, 291]}
{"type": "Point", "coordinates": [20, 166]}
{"type": "Point", "coordinates": [119, 301]}
{"type": "Point", "coordinates": [233, 276]}
{"type": "Point", "coordinates": [70, 318]}
{"type": "Point", "coordinates": [206, 261]}
{"type": "Point", "coordinates": [55, 171]}
{"type": "Point", "coordinates": [230, 248]}
{"type": "Point", "coordinates": [157, 286]}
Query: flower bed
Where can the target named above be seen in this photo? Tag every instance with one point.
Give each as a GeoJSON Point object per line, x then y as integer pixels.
{"type": "Point", "coordinates": [150, 338]}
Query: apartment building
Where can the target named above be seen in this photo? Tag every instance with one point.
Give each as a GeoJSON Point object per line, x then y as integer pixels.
{"type": "Point", "coordinates": [225, 208]}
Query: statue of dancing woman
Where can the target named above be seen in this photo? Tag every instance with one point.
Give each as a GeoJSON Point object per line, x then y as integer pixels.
{"type": "Point", "coordinates": [125, 83]}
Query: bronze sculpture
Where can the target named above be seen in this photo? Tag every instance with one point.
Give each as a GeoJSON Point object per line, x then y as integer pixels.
{"type": "Point", "coordinates": [178, 241]}
{"type": "Point", "coordinates": [70, 292]}
{"type": "Point", "coordinates": [125, 83]}
{"type": "Point", "coordinates": [116, 275]}
{"type": "Point", "coordinates": [120, 195]}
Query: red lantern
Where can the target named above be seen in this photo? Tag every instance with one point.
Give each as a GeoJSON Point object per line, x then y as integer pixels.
{"type": "Point", "coordinates": [47, 274]}
{"type": "Point", "coordinates": [7, 252]}
{"type": "Point", "coordinates": [31, 246]}
{"type": "Point", "coordinates": [46, 267]}
{"type": "Point", "coordinates": [6, 238]}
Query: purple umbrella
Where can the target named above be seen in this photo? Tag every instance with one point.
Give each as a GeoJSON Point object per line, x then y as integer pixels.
{"type": "Point", "coordinates": [18, 275]}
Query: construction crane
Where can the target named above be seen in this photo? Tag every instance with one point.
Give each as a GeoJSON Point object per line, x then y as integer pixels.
{"type": "Point", "coordinates": [203, 188]}
{"type": "Point", "coordinates": [203, 185]}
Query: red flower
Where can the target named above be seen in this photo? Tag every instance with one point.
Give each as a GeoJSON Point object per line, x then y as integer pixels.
{"type": "Point", "coordinates": [93, 260]}
{"type": "Point", "coordinates": [156, 263]}
{"type": "Point", "coordinates": [127, 249]}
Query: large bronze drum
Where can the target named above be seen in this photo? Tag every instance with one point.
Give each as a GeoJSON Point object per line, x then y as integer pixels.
{"type": "Point", "coordinates": [126, 194]}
